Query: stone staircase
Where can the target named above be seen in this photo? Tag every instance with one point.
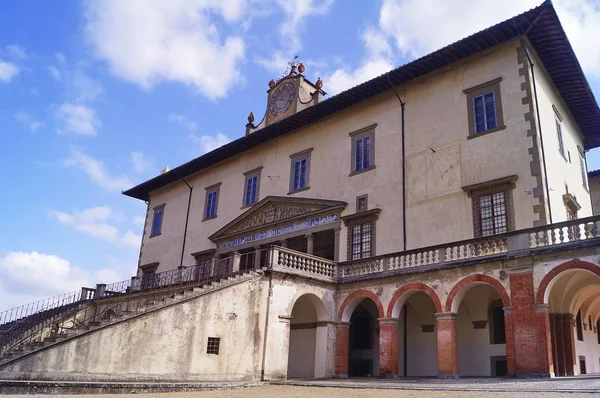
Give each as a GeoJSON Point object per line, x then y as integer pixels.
{"type": "Point", "coordinates": [112, 310]}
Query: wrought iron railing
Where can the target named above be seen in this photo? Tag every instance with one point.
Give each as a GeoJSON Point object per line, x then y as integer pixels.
{"type": "Point", "coordinates": [108, 301]}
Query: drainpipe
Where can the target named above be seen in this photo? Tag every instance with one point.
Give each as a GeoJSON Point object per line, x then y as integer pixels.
{"type": "Point", "coordinates": [187, 216]}
{"type": "Point", "coordinates": [539, 122]}
{"type": "Point", "coordinates": [403, 164]}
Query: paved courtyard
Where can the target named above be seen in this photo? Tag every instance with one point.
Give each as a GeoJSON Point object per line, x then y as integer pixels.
{"type": "Point", "coordinates": [476, 388]}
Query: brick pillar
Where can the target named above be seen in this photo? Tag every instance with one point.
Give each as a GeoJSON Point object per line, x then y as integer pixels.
{"type": "Point", "coordinates": [342, 346]}
{"type": "Point", "coordinates": [447, 345]}
{"type": "Point", "coordinates": [563, 344]}
{"type": "Point", "coordinates": [527, 329]}
{"type": "Point", "coordinates": [388, 347]}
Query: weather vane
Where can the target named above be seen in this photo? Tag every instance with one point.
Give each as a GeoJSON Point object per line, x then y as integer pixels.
{"type": "Point", "coordinates": [291, 66]}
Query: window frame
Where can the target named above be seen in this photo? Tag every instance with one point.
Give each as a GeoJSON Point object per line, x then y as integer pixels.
{"type": "Point", "coordinates": [356, 136]}
{"type": "Point", "coordinates": [247, 176]}
{"type": "Point", "coordinates": [161, 209]}
{"type": "Point", "coordinates": [502, 185]}
{"type": "Point", "coordinates": [297, 157]}
{"type": "Point", "coordinates": [216, 188]}
{"type": "Point", "coordinates": [364, 197]}
{"type": "Point", "coordinates": [561, 143]}
{"type": "Point", "coordinates": [492, 86]}
{"type": "Point", "coordinates": [360, 219]}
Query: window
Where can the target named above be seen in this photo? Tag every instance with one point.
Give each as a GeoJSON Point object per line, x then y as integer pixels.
{"type": "Point", "coordinates": [361, 203]}
{"type": "Point", "coordinates": [363, 150]}
{"type": "Point", "coordinates": [157, 219]}
{"type": "Point", "coordinates": [361, 233]}
{"type": "Point", "coordinates": [251, 186]}
{"type": "Point", "coordinates": [212, 347]}
{"type": "Point", "coordinates": [583, 168]}
{"type": "Point", "coordinates": [211, 202]}
{"type": "Point", "coordinates": [579, 324]}
{"type": "Point", "coordinates": [484, 107]}
{"type": "Point", "coordinates": [561, 146]}
{"type": "Point", "coordinates": [492, 206]}
{"type": "Point", "coordinates": [300, 171]}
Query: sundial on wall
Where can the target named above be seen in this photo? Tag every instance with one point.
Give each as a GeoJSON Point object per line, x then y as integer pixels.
{"type": "Point", "coordinates": [282, 99]}
{"type": "Point", "coordinates": [433, 173]}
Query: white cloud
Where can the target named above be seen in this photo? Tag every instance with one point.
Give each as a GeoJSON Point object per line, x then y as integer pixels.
{"type": "Point", "coordinates": [28, 277]}
{"type": "Point", "coordinates": [17, 52]}
{"type": "Point", "coordinates": [95, 222]}
{"type": "Point", "coordinates": [78, 119]}
{"type": "Point", "coordinates": [139, 221]}
{"type": "Point", "coordinates": [402, 22]}
{"type": "Point", "coordinates": [8, 71]}
{"type": "Point", "coordinates": [208, 143]}
{"type": "Point", "coordinates": [27, 120]}
{"type": "Point", "coordinates": [141, 162]}
{"type": "Point", "coordinates": [97, 172]}
{"type": "Point", "coordinates": [188, 124]}
{"type": "Point", "coordinates": [290, 31]}
{"type": "Point", "coordinates": [55, 73]}
{"type": "Point", "coordinates": [146, 42]}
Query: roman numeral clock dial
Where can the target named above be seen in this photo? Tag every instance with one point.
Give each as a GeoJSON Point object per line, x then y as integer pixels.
{"type": "Point", "coordinates": [282, 99]}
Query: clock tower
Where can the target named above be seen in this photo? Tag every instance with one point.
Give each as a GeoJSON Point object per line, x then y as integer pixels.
{"type": "Point", "coordinates": [287, 96]}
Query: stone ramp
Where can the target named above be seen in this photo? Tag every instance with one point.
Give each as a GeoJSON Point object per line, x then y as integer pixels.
{"type": "Point", "coordinates": [581, 384]}
{"type": "Point", "coordinates": [12, 387]}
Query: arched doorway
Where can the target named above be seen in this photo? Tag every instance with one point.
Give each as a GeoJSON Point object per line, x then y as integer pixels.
{"type": "Point", "coordinates": [573, 296]}
{"type": "Point", "coordinates": [481, 332]}
{"type": "Point", "coordinates": [308, 338]}
{"type": "Point", "coordinates": [363, 352]}
{"type": "Point", "coordinates": [415, 306]}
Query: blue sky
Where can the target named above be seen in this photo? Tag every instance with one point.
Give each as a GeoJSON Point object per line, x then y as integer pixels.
{"type": "Point", "coordinates": [97, 96]}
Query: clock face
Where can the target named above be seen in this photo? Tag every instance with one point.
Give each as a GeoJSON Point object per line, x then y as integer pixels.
{"type": "Point", "coordinates": [282, 99]}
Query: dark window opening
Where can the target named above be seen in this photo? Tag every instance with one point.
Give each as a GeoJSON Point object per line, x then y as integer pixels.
{"type": "Point", "coordinates": [579, 323]}
{"type": "Point", "coordinates": [212, 347]}
{"type": "Point", "coordinates": [496, 322]}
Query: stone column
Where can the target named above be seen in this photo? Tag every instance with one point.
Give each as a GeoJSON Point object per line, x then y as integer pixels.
{"type": "Point", "coordinates": [100, 290]}
{"type": "Point", "coordinates": [336, 244]}
{"type": "Point", "coordinates": [236, 257]}
{"type": "Point", "coordinates": [447, 345]}
{"type": "Point", "coordinates": [342, 346]}
{"type": "Point", "coordinates": [257, 254]}
{"type": "Point", "coordinates": [529, 332]}
{"type": "Point", "coordinates": [309, 243]}
{"type": "Point", "coordinates": [563, 344]}
{"type": "Point", "coordinates": [388, 347]}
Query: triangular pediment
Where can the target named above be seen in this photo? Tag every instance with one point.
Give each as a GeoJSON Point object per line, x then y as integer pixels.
{"type": "Point", "coordinates": [276, 210]}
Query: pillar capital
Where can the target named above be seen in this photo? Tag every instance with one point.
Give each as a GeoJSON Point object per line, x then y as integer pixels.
{"type": "Point", "coordinates": [508, 310]}
{"type": "Point", "coordinates": [542, 308]}
{"type": "Point", "coordinates": [446, 316]}
{"type": "Point", "coordinates": [343, 325]}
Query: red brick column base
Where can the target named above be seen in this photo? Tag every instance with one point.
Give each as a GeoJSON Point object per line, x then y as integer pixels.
{"type": "Point", "coordinates": [342, 345]}
{"type": "Point", "coordinates": [388, 347]}
{"type": "Point", "coordinates": [447, 345]}
{"type": "Point", "coordinates": [561, 327]}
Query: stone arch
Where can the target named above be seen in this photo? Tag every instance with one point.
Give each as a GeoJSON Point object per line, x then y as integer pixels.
{"type": "Point", "coordinates": [353, 299]}
{"type": "Point", "coordinates": [543, 291]}
{"type": "Point", "coordinates": [403, 294]}
{"type": "Point", "coordinates": [459, 290]}
{"type": "Point", "coordinates": [316, 301]}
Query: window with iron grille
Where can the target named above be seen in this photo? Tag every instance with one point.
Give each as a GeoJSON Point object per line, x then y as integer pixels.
{"type": "Point", "coordinates": [361, 233]}
{"type": "Point", "coordinates": [157, 219]}
{"type": "Point", "coordinates": [212, 347]}
{"type": "Point", "coordinates": [492, 206]}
